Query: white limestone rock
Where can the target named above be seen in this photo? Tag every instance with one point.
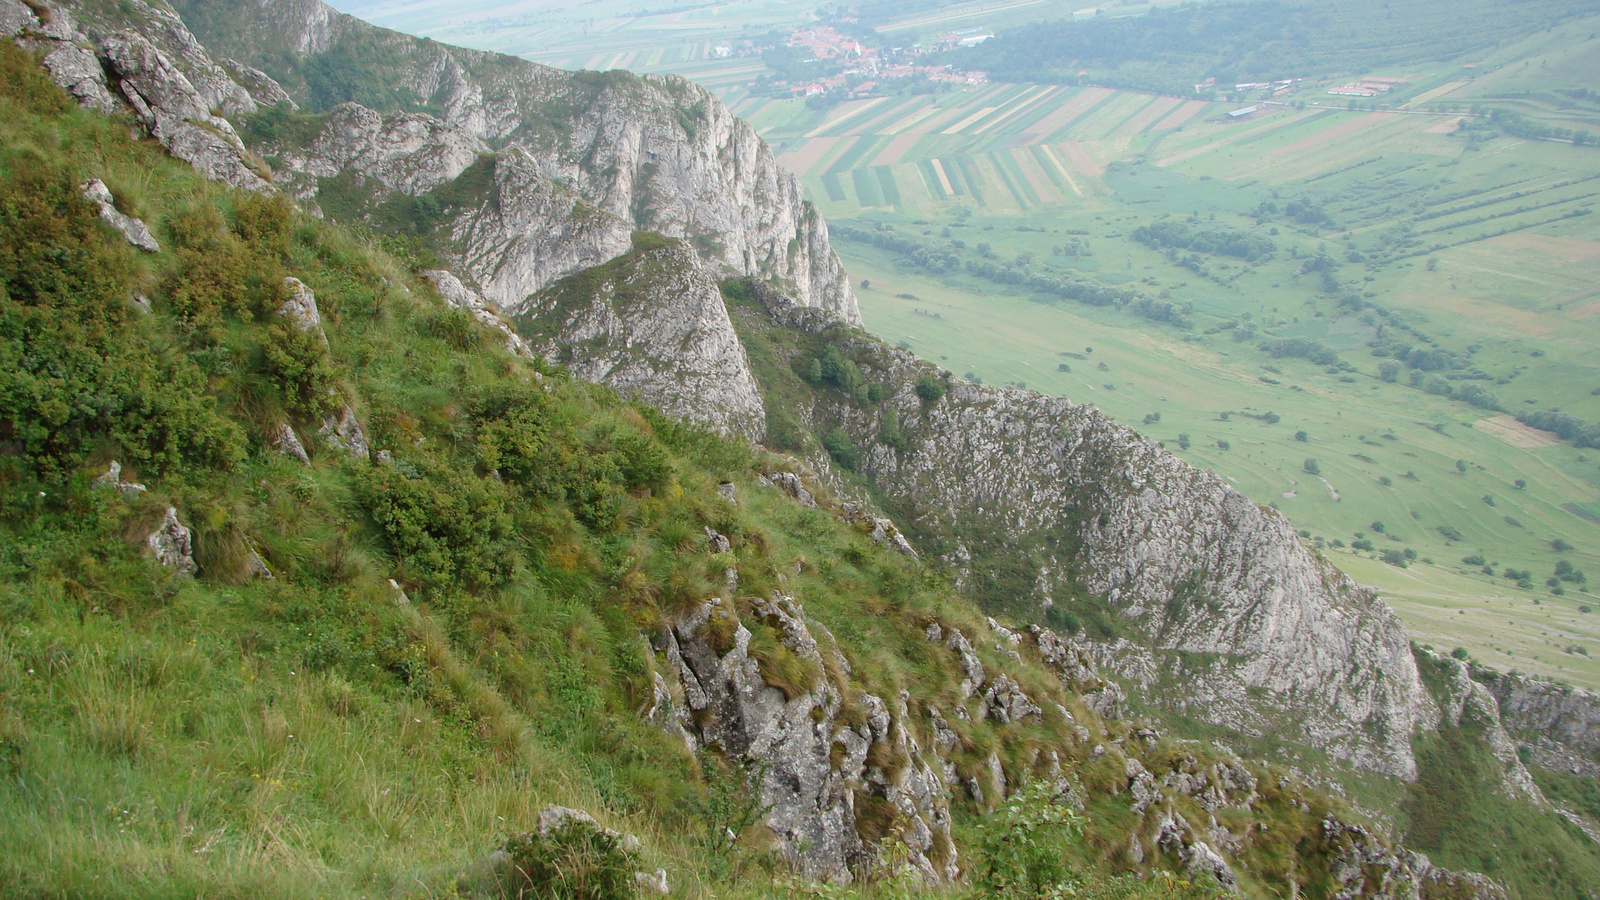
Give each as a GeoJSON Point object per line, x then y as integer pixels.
{"type": "Point", "coordinates": [653, 326]}
{"type": "Point", "coordinates": [531, 233]}
{"type": "Point", "coordinates": [1184, 561]}
{"type": "Point", "coordinates": [176, 113]}
{"type": "Point", "coordinates": [300, 308]}
{"type": "Point", "coordinates": [285, 441]}
{"type": "Point", "coordinates": [462, 297]}
{"type": "Point", "coordinates": [133, 230]}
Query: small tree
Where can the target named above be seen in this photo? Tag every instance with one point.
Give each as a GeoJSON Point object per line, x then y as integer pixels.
{"type": "Point", "coordinates": [1302, 437]}
{"type": "Point", "coordinates": [1311, 467]}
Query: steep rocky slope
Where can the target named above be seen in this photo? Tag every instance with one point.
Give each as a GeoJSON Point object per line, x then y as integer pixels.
{"type": "Point", "coordinates": [656, 153]}
{"type": "Point", "coordinates": [1207, 606]}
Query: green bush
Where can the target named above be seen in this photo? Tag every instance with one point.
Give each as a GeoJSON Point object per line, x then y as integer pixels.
{"type": "Point", "coordinates": [1024, 847]}
{"type": "Point", "coordinates": [448, 527]}
{"type": "Point", "coordinates": [574, 862]}
{"type": "Point", "coordinates": [76, 366]}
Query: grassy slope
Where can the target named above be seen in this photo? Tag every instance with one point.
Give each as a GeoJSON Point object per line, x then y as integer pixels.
{"type": "Point", "coordinates": [310, 734]}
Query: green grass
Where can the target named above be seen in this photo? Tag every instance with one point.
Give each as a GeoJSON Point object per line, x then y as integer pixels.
{"type": "Point", "coordinates": [313, 733]}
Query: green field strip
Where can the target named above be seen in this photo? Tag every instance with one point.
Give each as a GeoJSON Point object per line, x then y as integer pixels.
{"type": "Point", "coordinates": [859, 150]}
{"type": "Point", "coordinates": [1010, 105]}
{"type": "Point", "coordinates": [1022, 109]}
{"type": "Point", "coordinates": [1485, 204]}
{"type": "Point", "coordinates": [972, 180]}
{"type": "Point", "coordinates": [863, 119]}
{"type": "Point", "coordinates": [930, 180]}
{"type": "Point", "coordinates": [823, 163]}
{"type": "Point", "coordinates": [1141, 110]}
{"type": "Point", "coordinates": [888, 120]}
{"type": "Point", "coordinates": [1063, 133]}
{"type": "Point", "coordinates": [832, 187]}
{"type": "Point", "coordinates": [1102, 121]}
{"type": "Point", "coordinates": [1011, 174]}
{"type": "Point", "coordinates": [866, 183]}
{"type": "Point", "coordinates": [887, 186]}
{"type": "Point", "coordinates": [1039, 108]}
{"type": "Point", "coordinates": [842, 122]}
{"type": "Point", "coordinates": [1177, 112]}
{"type": "Point", "coordinates": [1051, 168]}
{"type": "Point", "coordinates": [981, 184]}
{"type": "Point", "coordinates": [1519, 211]}
{"type": "Point", "coordinates": [952, 175]}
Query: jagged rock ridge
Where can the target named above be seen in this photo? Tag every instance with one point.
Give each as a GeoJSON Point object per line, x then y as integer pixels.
{"type": "Point", "coordinates": [654, 153]}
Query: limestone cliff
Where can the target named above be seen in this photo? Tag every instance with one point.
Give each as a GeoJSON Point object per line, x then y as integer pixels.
{"type": "Point", "coordinates": [654, 153]}
{"type": "Point", "coordinates": [1047, 508]}
{"type": "Point", "coordinates": [1560, 724]}
{"type": "Point", "coordinates": [651, 324]}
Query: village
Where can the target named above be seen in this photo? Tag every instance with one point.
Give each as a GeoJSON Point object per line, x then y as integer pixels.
{"type": "Point", "coordinates": [867, 70]}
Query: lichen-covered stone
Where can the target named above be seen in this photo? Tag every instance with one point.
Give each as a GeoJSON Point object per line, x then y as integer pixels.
{"type": "Point", "coordinates": [173, 544]}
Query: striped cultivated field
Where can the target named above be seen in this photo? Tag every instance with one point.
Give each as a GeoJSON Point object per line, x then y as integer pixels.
{"type": "Point", "coordinates": [999, 148]}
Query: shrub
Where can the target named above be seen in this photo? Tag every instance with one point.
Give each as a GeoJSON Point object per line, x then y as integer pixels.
{"type": "Point", "coordinates": [575, 861]}
{"type": "Point", "coordinates": [1312, 467]}
{"type": "Point", "coordinates": [1024, 845]}
{"type": "Point", "coordinates": [838, 445]}
{"type": "Point", "coordinates": [929, 390]}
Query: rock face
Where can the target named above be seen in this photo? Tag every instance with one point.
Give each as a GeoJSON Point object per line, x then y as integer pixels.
{"type": "Point", "coordinates": [1205, 589]}
{"type": "Point", "coordinates": [160, 73]}
{"type": "Point", "coordinates": [1463, 701]}
{"type": "Point", "coordinates": [812, 761]}
{"type": "Point", "coordinates": [173, 544]}
{"type": "Point", "coordinates": [581, 158]}
{"type": "Point", "coordinates": [341, 430]}
{"type": "Point", "coordinates": [464, 298]}
{"type": "Point", "coordinates": [651, 324]}
{"type": "Point", "coordinates": [531, 233]}
{"type": "Point", "coordinates": [1559, 723]}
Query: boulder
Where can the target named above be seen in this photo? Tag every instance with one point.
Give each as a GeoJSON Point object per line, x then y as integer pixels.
{"type": "Point", "coordinates": [173, 544]}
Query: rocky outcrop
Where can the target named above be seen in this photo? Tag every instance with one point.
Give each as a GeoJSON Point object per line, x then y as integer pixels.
{"type": "Point", "coordinates": [1464, 702]}
{"type": "Point", "coordinates": [173, 544]}
{"type": "Point", "coordinates": [285, 441]}
{"type": "Point", "coordinates": [178, 114]}
{"type": "Point", "coordinates": [651, 324]}
{"type": "Point", "coordinates": [1207, 590]}
{"type": "Point", "coordinates": [816, 749]}
{"type": "Point", "coordinates": [341, 430]}
{"type": "Point", "coordinates": [530, 233]}
{"type": "Point", "coordinates": [411, 153]}
{"type": "Point", "coordinates": [111, 480]}
{"type": "Point", "coordinates": [132, 230]}
{"type": "Point", "coordinates": [657, 153]}
{"type": "Point", "coordinates": [1560, 724]}
{"type": "Point", "coordinates": [461, 297]}
{"type": "Point", "coordinates": [159, 72]}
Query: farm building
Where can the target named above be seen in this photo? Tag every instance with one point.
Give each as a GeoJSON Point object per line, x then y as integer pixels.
{"type": "Point", "coordinates": [1244, 113]}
